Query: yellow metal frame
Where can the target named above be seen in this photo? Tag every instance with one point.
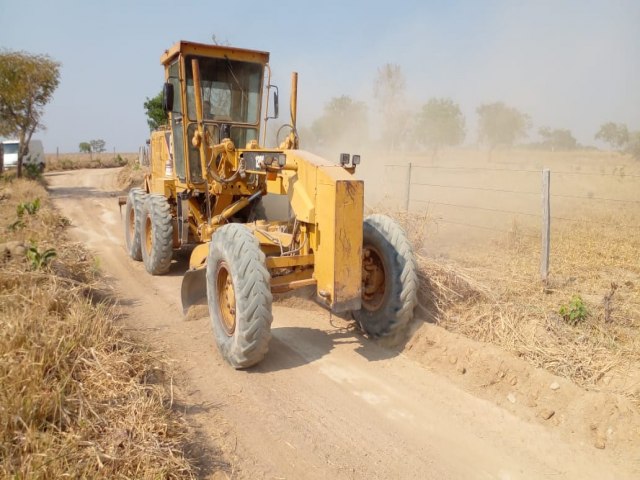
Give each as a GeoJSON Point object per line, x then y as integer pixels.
{"type": "Point", "coordinates": [328, 203]}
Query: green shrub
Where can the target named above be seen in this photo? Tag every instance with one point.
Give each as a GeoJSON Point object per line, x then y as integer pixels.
{"type": "Point", "coordinates": [31, 207]}
{"type": "Point", "coordinates": [33, 170]}
{"type": "Point", "coordinates": [575, 311]}
{"type": "Point", "coordinates": [40, 259]}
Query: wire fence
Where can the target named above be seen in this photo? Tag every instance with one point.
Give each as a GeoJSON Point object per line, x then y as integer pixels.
{"type": "Point", "coordinates": [494, 199]}
{"type": "Point", "coordinates": [419, 193]}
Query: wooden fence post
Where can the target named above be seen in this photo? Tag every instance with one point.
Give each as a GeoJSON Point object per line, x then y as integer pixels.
{"type": "Point", "coordinates": [406, 207]}
{"type": "Point", "coordinates": [546, 224]}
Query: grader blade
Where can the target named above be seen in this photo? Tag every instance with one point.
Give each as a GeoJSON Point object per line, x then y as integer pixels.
{"type": "Point", "coordinates": [194, 288]}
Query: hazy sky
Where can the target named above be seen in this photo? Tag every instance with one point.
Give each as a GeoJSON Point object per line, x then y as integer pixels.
{"type": "Point", "coordinates": [568, 64]}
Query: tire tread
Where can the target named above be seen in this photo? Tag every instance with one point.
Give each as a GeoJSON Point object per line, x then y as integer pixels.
{"type": "Point", "coordinates": [237, 246]}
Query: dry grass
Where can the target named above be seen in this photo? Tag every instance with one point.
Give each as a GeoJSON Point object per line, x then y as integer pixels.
{"type": "Point", "coordinates": [75, 161]}
{"type": "Point", "coordinates": [77, 398]}
{"type": "Point", "coordinates": [494, 294]}
{"type": "Point", "coordinates": [132, 175]}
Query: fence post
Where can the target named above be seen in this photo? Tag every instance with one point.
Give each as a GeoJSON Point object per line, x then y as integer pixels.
{"type": "Point", "coordinates": [406, 207]}
{"type": "Point", "coordinates": [546, 224]}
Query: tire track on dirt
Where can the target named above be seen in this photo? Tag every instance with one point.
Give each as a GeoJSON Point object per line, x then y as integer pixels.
{"type": "Point", "coordinates": [326, 402]}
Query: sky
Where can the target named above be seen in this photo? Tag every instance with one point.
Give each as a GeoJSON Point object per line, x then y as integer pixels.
{"type": "Point", "coordinates": [567, 63]}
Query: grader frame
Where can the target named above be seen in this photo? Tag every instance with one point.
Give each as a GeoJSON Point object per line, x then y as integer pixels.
{"type": "Point", "coordinates": [208, 174]}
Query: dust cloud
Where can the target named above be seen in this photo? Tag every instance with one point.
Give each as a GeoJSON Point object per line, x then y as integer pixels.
{"type": "Point", "coordinates": [566, 65]}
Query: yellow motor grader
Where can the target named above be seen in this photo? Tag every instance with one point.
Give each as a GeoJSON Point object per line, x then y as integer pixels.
{"type": "Point", "coordinates": [208, 174]}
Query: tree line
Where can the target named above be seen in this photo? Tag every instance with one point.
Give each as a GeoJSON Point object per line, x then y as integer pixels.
{"type": "Point", "coordinates": [440, 123]}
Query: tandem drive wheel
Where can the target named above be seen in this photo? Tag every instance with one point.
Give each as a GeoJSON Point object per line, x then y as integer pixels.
{"type": "Point", "coordinates": [157, 234]}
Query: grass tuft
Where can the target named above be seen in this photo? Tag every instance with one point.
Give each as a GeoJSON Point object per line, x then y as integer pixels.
{"type": "Point", "coordinates": [78, 398]}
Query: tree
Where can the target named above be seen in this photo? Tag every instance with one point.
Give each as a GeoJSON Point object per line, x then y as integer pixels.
{"type": "Point", "coordinates": [98, 145]}
{"type": "Point", "coordinates": [156, 116]}
{"type": "Point", "coordinates": [343, 120]}
{"type": "Point", "coordinates": [27, 83]}
{"type": "Point", "coordinates": [84, 147]}
{"type": "Point", "coordinates": [499, 124]}
{"type": "Point", "coordinates": [615, 134]}
{"type": "Point", "coordinates": [557, 139]}
{"type": "Point", "coordinates": [440, 123]}
{"type": "Point", "coordinates": [389, 92]}
{"type": "Point", "coordinates": [633, 145]}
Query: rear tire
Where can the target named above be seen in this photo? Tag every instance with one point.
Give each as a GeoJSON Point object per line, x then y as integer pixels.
{"type": "Point", "coordinates": [389, 282]}
{"type": "Point", "coordinates": [239, 295]}
{"type": "Point", "coordinates": [132, 224]}
{"type": "Point", "coordinates": [157, 234]}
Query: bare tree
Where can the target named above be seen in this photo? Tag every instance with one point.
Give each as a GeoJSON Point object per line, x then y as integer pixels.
{"type": "Point", "coordinates": [389, 90]}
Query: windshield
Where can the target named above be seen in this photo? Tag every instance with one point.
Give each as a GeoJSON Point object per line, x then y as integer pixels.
{"type": "Point", "coordinates": [230, 90]}
{"type": "Point", "coordinates": [10, 148]}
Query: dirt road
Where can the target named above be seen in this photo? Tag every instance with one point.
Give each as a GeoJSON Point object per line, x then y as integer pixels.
{"type": "Point", "coordinates": [326, 402]}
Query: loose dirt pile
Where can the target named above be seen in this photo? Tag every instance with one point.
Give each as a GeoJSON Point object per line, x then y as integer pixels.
{"type": "Point", "coordinates": [77, 398]}
{"type": "Point", "coordinates": [132, 175]}
{"type": "Point", "coordinates": [495, 296]}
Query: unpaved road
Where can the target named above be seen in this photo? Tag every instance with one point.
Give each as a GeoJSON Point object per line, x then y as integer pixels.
{"type": "Point", "coordinates": [326, 402]}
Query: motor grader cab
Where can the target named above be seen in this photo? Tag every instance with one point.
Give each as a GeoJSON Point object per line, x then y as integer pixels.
{"type": "Point", "coordinates": [208, 174]}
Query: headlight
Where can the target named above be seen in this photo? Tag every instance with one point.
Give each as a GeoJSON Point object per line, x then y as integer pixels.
{"type": "Point", "coordinates": [344, 159]}
{"type": "Point", "coordinates": [355, 160]}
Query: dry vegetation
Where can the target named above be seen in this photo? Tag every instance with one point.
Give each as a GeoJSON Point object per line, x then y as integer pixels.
{"type": "Point", "coordinates": [493, 293]}
{"type": "Point", "coordinates": [75, 161]}
{"type": "Point", "coordinates": [77, 398]}
{"type": "Point", "coordinates": [131, 175]}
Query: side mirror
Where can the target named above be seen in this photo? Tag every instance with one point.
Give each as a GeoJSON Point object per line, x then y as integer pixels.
{"type": "Point", "coordinates": [167, 97]}
{"type": "Point", "coordinates": [276, 107]}
{"type": "Point", "coordinates": [275, 102]}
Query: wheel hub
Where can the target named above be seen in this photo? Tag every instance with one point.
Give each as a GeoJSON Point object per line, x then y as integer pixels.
{"type": "Point", "coordinates": [226, 298]}
{"type": "Point", "coordinates": [132, 225]}
{"type": "Point", "coordinates": [149, 234]}
{"type": "Point", "coordinates": [373, 278]}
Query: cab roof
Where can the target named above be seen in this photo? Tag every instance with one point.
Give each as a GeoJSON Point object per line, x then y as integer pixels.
{"type": "Point", "coordinates": [216, 51]}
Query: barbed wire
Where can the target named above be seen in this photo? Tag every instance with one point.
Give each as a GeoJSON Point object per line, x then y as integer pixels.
{"type": "Point", "coordinates": [485, 189]}
{"type": "Point", "coordinates": [511, 212]}
{"type": "Point", "coordinates": [484, 227]}
{"type": "Point", "coordinates": [514, 212]}
{"type": "Point", "coordinates": [518, 170]}
{"type": "Point", "coordinates": [488, 169]}
{"type": "Point", "coordinates": [500, 190]}
{"type": "Point", "coordinates": [563, 195]}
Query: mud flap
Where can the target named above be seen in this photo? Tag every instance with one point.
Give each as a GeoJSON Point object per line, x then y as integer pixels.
{"type": "Point", "coordinates": [194, 288]}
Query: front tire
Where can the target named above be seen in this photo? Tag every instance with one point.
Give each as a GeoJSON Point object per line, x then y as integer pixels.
{"type": "Point", "coordinates": [132, 223]}
{"type": "Point", "coordinates": [157, 234]}
{"type": "Point", "coordinates": [389, 279]}
{"type": "Point", "coordinates": [239, 295]}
